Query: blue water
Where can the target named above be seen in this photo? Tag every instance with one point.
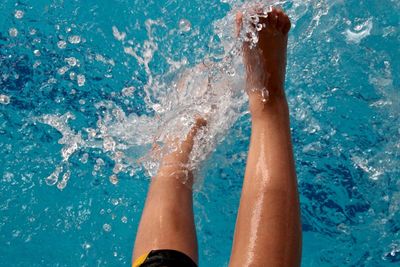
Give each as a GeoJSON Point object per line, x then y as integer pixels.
{"type": "Point", "coordinates": [343, 89]}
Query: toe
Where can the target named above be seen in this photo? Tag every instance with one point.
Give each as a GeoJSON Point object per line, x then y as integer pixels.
{"type": "Point", "coordinates": [239, 22]}
{"type": "Point", "coordinates": [200, 122]}
{"type": "Point", "coordinates": [280, 21]}
{"type": "Point", "coordinates": [272, 17]}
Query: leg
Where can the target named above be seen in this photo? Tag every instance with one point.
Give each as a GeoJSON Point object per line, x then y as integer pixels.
{"type": "Point", "coordinates": [167, 221]}
{"type": "Point", "coordinates": [268, 229]}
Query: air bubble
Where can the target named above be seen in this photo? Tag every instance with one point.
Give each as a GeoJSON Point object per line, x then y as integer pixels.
{"type": "Point", "coordinates": [184, 25]}
{"type": "Point", "coordinates": [124, 219]}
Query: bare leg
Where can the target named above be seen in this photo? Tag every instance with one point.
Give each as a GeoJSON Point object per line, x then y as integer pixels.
{"type": "Point", "coordinates": [268, 229]}
{"type": "Point", "coordinates": [167, 221]}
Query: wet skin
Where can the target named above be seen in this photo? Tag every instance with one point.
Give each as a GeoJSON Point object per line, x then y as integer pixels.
{"type": "Point", "coordinates": [268, 228]}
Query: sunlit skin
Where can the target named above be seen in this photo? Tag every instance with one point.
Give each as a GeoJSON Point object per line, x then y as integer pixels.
{"type": "Point", "coordinates": [268, 229]}
{"type": "Point", "coordinates": [167, 220]}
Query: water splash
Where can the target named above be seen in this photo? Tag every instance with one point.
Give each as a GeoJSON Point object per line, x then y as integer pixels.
{"type": "Point", "coordinates": [213, 90]}
{"type": "Point", "coordinates": [342, 89]}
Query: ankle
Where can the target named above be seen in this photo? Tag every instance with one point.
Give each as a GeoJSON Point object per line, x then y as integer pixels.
{"type": "Point", "coordinates": [274, 105]}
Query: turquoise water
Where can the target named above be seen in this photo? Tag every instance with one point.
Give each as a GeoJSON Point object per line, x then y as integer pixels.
{"type": "Point", "coordinates": [82, 81]}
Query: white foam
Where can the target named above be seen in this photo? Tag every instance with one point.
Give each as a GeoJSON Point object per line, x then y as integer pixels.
{"type": "Point", "coordinates": [359, 32]}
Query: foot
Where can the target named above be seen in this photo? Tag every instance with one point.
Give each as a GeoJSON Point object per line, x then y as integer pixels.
{"type": "Point", "coordinates": [175, 160]}
{"type": "Point", "coordinates": [266, 62]}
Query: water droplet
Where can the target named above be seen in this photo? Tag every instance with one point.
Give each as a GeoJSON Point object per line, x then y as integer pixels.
{"type": "Point", "coordinates": [254, 38]}
{"type": "Point", "coordinates": [19, 14]}
{"type": "Point", "coordinates": [62, 44]}
{"type": "Point", "coordinates": [184, 25]}
{"type": "Point", "coordinates": [86, 245]}
{"type": "Point", "coordinates": [4, 99]}
{"type": "Point", "coordinates": [231, 72]}
{"type": "Point", "coordinates": [8, 176]}
{"type": "Point", "coordinates": [114, 201]}
{"type": "Point", "coordinates": [71, 61]}
{"type": "Point", "coordinates": [117, 168]}
{"type": "Point", "coordinates": [109, 144]}
{"type": "Point", "coordinates": [13, 32]}
{"type": "Point", "coordinates": [81, 80]}
{"type": "Point", "coordinates": [61, 185]}
{"type": "Point", "coordinates": [128, 91]}
{"type": "Point", "coordinates": [62, 70]}
{"type": "Point", "coordinates": [106, 227]}
{"type": "Point", "coordinates": [84, 158]}
{"type": "Point", "coordinates": [36, 53]}
{"type": "Point", "coordinates": [264, 95]}
{"type": "Point", "coordinates": [99, 162]}
{"type": "Point", "coordinates": [114, 179]}
{"type": "Point", "coordinates": [124, 219]}
{"type": "Point", "coordinates": [74, 39]}
{"type": "Point", "coordinates": [37, 64]}
{"type": "Point", "coordinates": [52, 179]}
{"type": "Point", "coordinates": [120, 36]}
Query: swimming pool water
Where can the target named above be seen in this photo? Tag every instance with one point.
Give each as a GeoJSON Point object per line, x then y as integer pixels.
{"type": "Point", "coordinates": [60, 59]}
